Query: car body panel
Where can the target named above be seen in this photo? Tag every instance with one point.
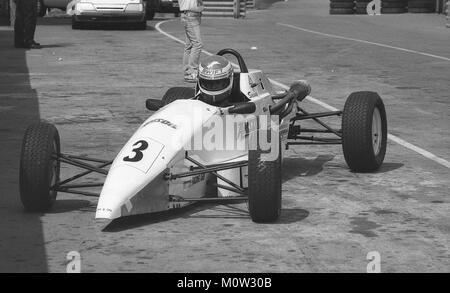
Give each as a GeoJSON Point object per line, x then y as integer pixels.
{"type": "Point", "coordinates": [137, 181]}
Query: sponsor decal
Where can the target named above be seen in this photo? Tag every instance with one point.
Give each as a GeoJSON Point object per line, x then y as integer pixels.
{"type": "Point", "coordinates": [162, 121]}
{"type": "Point", "coordinates": [194, 180]}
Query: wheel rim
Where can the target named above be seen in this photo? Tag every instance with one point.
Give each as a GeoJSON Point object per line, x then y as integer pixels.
{"type": "Point", "coordinates": [377, 131]}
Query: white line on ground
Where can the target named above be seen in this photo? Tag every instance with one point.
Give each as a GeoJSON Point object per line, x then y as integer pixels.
{"type": "Point", "coordinates": [392, 137]}
{"type": "Point", "coordinates": [364, 42]}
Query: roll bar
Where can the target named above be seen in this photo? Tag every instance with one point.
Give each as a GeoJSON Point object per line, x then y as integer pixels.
{"type": "Point", "coordinates": [242, 65]}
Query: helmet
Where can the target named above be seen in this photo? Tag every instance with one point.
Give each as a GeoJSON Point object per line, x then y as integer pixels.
{"type": "Point", "coordinates": [215, 79]}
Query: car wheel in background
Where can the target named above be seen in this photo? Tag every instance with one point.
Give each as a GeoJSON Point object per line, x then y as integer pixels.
{"type": "Point", "coordinates": [364, 131]}
{"type": "Point", "coordinates": [39, 167]}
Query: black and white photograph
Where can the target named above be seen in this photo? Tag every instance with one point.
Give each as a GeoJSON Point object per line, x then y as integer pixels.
{"type": "Point", "coordinates": [238, 139]}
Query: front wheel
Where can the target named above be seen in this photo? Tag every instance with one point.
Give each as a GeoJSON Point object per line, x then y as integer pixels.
{"type": "Point", "coordinates": [39, 167]}
{"type": "Point", "coordinates": [364, 131]}
{"type": "Point", "coordinates": [264, 186]}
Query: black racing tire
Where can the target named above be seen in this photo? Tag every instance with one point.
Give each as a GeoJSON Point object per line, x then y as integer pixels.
{"type": "Point", "coordinates": [362, 5]}
{"type": "Point", "coordinates": [336, 11]}
{"type": "Point", "coordinates": [264, 187]}
{"type": "Point", "coordinates": [361, 144]}
{"type": "Point", "coordinates": [349, 5]}
{"type": "Point", "coordinates": [360, 11]}
{"type": "Point", "coordinates": [177, 93]}
{"type": "Point", "coordinates": [41, 9]}
{"type": "Point", "coordinates": [420, 10]}
{"type": "Point", "coordinates": [39, 168]}
{"type": "Point", "coordinates": [393, 10]}
{"type": "Point", "coordinates": [421, 4]}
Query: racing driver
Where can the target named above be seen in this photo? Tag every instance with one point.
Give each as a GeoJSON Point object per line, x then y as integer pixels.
{"type": "Point", "coordinates": [215, 81]}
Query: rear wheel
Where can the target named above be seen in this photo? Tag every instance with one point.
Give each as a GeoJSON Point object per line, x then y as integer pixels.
{"type": "Point", "coordinates": [39, 167]}
{"type": "Point", "coordinates": [264, 187]}
{"type": "Point", "coordinates": [364, 131]}
{"type": "Point", "coordinates": [177, 93]}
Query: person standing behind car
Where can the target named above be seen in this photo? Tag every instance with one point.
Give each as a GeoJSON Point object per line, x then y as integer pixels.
{"type": "Point", "coordinates": [25, 24]}
{"type": "Point", "coordinates": [191, 13]}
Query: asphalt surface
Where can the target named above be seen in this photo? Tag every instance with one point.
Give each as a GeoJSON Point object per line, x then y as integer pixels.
{"type": "Point", "coordinates": [93, 84]}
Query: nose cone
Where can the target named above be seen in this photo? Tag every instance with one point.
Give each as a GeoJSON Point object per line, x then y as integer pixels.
{"type": "Point", "coordinates": [126, 192]}
{"type": "Point", "coordinates": [135, 183]}
{"type": "Point", "coordinates": [136, 175]}
{"type": "Point", "coordinates": [115, 194]}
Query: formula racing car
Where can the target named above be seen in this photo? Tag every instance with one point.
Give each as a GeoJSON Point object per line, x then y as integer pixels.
{"type": "Point", "coordinates": [164, 166]}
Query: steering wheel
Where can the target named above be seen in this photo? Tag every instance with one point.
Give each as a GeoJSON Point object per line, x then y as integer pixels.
{"type": "Point", "coordinates": [242, 65]}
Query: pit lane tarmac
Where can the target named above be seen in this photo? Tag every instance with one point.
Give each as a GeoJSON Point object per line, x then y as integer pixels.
{"type": "Point", "coordinates": [93, 84]}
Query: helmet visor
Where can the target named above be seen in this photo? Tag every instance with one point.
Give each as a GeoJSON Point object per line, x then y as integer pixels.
{"type": "Point", "coordinates": [214, 85]}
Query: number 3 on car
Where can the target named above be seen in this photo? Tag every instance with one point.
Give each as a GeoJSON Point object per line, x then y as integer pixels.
{"type": "Point", "coordinates": [141, 153]}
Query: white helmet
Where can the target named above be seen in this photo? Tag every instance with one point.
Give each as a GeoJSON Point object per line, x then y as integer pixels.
{"type": "Point", "coordinates": [215, 79]}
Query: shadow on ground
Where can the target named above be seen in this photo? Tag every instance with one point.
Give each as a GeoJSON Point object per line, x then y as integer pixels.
{"type": "Point", "coordinates": [301, 167]}
{"type": "Point", "coordinates": [70, 205]}
{"type": "Point", "coordinates": [292, 167]}
{"type": "Point", "coordinates": [22, 242]}
{"type": "Point", "coordinates": [288, 216]}
{"type": "Point", "coordinates": [389, 167]}
{"type": "Point", "coordinates": [61, 45]}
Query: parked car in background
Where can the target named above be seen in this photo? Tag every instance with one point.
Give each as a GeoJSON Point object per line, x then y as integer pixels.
{"type": "Point", "coordinates": [109, 11]}
{"type": "Point", "coordinates": [162, 6]}
{"type": "Point", "coordinates": [152, 6]}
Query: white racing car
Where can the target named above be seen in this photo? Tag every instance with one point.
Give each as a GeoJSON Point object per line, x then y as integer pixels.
{"type": "Point", "coordinates": [158, 169]}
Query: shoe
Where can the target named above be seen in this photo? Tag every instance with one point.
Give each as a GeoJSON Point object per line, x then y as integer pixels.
{"type": "Point", "coordinates": [35, 43]}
